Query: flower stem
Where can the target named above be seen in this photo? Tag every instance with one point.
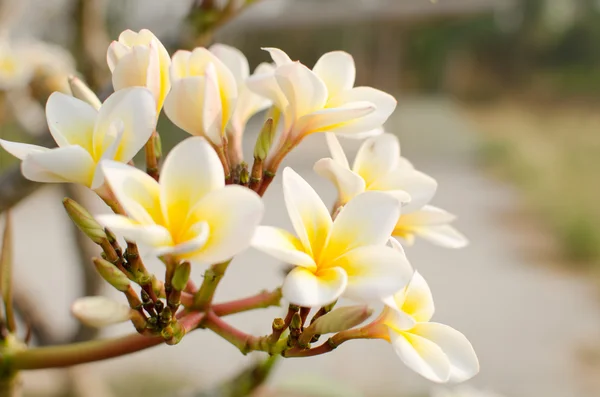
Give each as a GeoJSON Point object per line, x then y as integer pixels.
{"type": "Point", "coordinates": [331, 344]}
{"type": "Point", "coordinates": [206, 293]}
{"type": "Point", "coordinates": [262, 300]}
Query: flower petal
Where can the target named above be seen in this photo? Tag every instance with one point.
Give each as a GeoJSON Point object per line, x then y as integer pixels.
{"type": "Point", "coordinates": [265, 84]}
{"type": "Point", "coordinates": [135, 108]}
{"type": "Point", "coordinates": [421, 187]}
{"type": "Point", "coordinates": [374, 272]}
{"type": "Point", "coordinates": [310, 218]}
{"type": "Point", "coordinates": [385, 105]}
{"type": "Point", "coordinates": [347, 182]}
{"type": "Point", "coordinates": [282, 245]}
{"type": "Point", "coordinates": [200, 232]}
{"type": "Point", "coordinates": [232, 213]}
{"type": "Point", "coordinates": [303, 288]}
{"type": "Point", "coordinates": [304, 91]}
{"type": "Point", "coordinates": [368, 219]}
{"type": "Point", "coordinates": [137, 192]}
{"type": "Point", "coordinates": [361, 135]}
{"type": "Point", "coordinates": [138, 68]}
{"type": "Point", "coordinates": [185, 102]}
{"type": "Point", "coordinates": [66, 164]}
{"type": "Point", "coordinates": [429, 216]}
{"type": "Point", "coordinates": [416, 299]}
{"type": "Point", "coordinates": [337, 71]}
{"type": "Point", "coordinates": [191, 171]}
{"type": "Point", "coordinates": [443, 235]}
{"type": "Point", "coordinates": [21, 150]}
{"type": "Point", "coordinates": [279, 57]}
{"type": "Point", "coordinates": [213, 122]}
{"type": "Point", "coordinates": [180, 65]}
{"type": "Point", "coordinates": [234, 59]}
{"type": "Point", "coordinates": [115, 52]}
{"type": "Point", "coordinates": [330, 119]}
{"type": "Point", "coordinates": [70, 120]}
{"type": "Point", "coordinates": [150, 235]}
{"type": "Point", "coordinates": [376, 157]}
{"type": "Point", "coordinates": [421, 355]}
{"type": "Point", "coordinates": [463, 360]}
{"type": "Point", "coordinates": [336, 150]}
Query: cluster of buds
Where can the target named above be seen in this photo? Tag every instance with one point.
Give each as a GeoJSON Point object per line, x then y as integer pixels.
{"type": "Point", "coordinates": [204, 205]}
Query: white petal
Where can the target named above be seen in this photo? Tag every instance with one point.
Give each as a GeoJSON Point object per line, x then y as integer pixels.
{"type": "Point", "coordinates": [422, 356]}
{"type": "Point", "coordinates": [154, 236]}
{"type": "Point", "coordinates": [303, 288]}
{"type": "Point", "coordinates": [368, 219]}
{"type": "Point", "coordinates": [304, 91]}
{"type": "Point", "coordinates": [212, 111]}
{"type": "Point", "coordinates": [21, 150]}
{"type": "Point", "coordinates": [180, 67]}
{"type": "Point", "coordinates": [115, 52]}
{"type": "Point", "coordinates": [132, 68]}
{"type": "Point", "coordinates": [337, 71]}
{"type": "Point", "coordinates": [234, 59]}
{"type": "Point", "coordinates": [347, 182]}
{"type": "Point", "coordinates": [66, 164]}
{"type": "Point", "coordinates": [416, 299]}
{"type": "Point", "coordinates": [376, 157]}
{"type": "Point", "coordinates": [191, 171]}
{"type": "Point", "coordinates": [331, 119]}
{"type": "Point", "coordinates": [70, 120]}
{"type": "Point", "coordinates": [421, 187]}
{"type": "Point", "coordinates": [98, 311]}
{"type": "Point", "coordinates": [232, 214]}
{"type": "Point", "coordinates": [396, 318]}
{"type": "Point", "coordinates": [310, 218]}
{"type": "Point", "coordinates": [460, 353]}
{"type": "Point", "coordinates": [429, 216]}
{"type": "Point", "coordinates": [385, 105]}
{"type": "Point", "coordinates": [279, 57]}
{"type": "Point", "coordinates": [185, 103]}
{"type": "Point", "coordinates": [247, 105]}
{"type": "Point", "coordinates": [361, 135]}
{"type": "Point", "coordinates": [265, 85]}
{"type": "Point", "coordinates": [374, 272]}
{"type": "Point", "coordinates": [443, 235]}
{"type": "Point", "coordinates": [136, 191]}
{"type": "Point", "coordinates": [336, 150]}
{"type": "Point", "coordinates": [136, 109]}
{"type": "Point", "coordinates": [200, 232]}
{"type": "Point", "coordinates": [282, 245]}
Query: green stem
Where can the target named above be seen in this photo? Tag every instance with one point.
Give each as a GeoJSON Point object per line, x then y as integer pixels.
{"type": "Point", "coordinates": [212, 278]}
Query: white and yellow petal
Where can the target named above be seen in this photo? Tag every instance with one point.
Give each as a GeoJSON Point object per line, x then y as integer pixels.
{"type": "Point", "coordinates": [185, 103]}
{"type": "Point", "coordinates": [149, 235]}
{"type": "Point", "coordinates": [234, 59]}
{"type": "Point", "coordinates": [70, 120]}
{"type": "Point", "coordinates": [416, 299]}
{"type": "Point", "coordinates": [443, 235]}
{"type": "Point", "coordinates": [21, 150]}
{"type": "Point", "coordinates": [66, 164]}
{"type": "Point", "coordinates": [337, 70]}
{"type": "Point", "coordinates": [347, 182]}
{"type": "Point", "coordinates": [330, 119]}
{"type": "Point", "coordinates": [376, 157]}
{"type": "Point", "coordinates": [303, 287]}
{"type": "Point", "coordinates": [279, 57]}
{"type": "Point", "coordinates": [420, 187]}
{"type": "Point", "coordinates": [302, 88]}
{"type": "Point", "coordinates": [282, 245]}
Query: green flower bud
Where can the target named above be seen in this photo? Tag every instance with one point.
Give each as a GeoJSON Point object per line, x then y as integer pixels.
{"type": "Point", "coordinates": [264, 140]}
{"type": "Point", "coordinates": [84, 221]}
{"type": "Point", "coordinates": [111, 274]}
{"type": "Point", "coordinates": [341, 319]}
{"type": "Point", "coordinates": [181, 276]}
{"type": "Point", "coordinates": [81, 91]}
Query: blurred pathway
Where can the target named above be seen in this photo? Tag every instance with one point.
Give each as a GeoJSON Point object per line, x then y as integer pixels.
{"type": "Point", "coordinates": [527, 321]}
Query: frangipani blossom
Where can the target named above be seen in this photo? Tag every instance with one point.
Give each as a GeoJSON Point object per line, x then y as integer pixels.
{"type": "Point", "coordinates": [347, 256]}
{"type": "Point", "coordinates": [15, 70]}
{"type": "Point", "coordinates": [85, 136]}
{"type": "Point", "coordinates": [248, 103]}
{"type": "Point", "coordinates": [140, 59]}
{"type": "Point", "coordinates": [432, 224]}
{"type": "Point", "coordinates": [322, 99]}
{"type": "Point", "coordinates": [377, 166]}
{"type": "Point", "coordinates": [435, 351]}
{"type": "Point", "coordinates": [204, 93]}
{"type": "Point", "coordinates": [189, 213]}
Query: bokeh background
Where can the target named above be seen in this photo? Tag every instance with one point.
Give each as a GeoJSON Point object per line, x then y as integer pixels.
{"type": "Point", "coordinates": [497, 99]}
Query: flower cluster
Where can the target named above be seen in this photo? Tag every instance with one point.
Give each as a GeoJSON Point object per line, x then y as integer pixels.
{"type": "Point", "coordinates": [204, 207]}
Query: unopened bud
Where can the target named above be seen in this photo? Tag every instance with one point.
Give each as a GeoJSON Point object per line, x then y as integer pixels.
{"type": "Point", "coordinates": [244, 174]}
{"type": "Point", "coordinates": [99, 311]}
{"type": "Point", "coordinates": [81, 91]}
{"type": "Point", "coordinates": [177, 333]}
{"type": "Point", "coordinates": [84, 221]}
{"type": "Point", "coordinates": [157, 145]}
{"type": "Point", "coordinates": [138, 320]}
{"type": "Point", "coordinates": [341, 319]}
{"type": "Point", "coordinates": [111, 274]}
{"type": "Point", "coordinates": [264, 140]}
{"type": "Point", "coordinates": [181, 276]}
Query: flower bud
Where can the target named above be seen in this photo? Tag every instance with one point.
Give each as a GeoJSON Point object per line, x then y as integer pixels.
{"type": "Point", "coordinates": [111, 274]}
{"type": "Point", "coordinates": [341, 319]}
{"type": "Point", "coordinates": [264, 140]}
{"type": "Point", "coordinates": [181, 276]}
{"type": "Point", "coordinates": [81, 91]}
{"type": "Point", "coordinates": [99, 311]}
{"type": "Point", "coordinates": [84, 221]}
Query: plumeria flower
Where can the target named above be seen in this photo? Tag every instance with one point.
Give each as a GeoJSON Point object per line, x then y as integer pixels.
{"type": "Point", "coordinates": [322, 99]}
{"type": "Point", "coordinates": [248, 103]}
{"type": "Point", "coordinates": [190, 213]}
{"type": "Point", "coordinates": [140, 59]}
{"type": "Point", "coordinates": [15, 71]}
{"type": "Point", "coordinates": [347, 256]}
{"type": "Point", "coordinates": [377, 166]}
{"type": "Point", "coordinates": [202, 99]}
{"type": "Point", "coordinates": [85, 136]}
{"type": "Point", "coordinates": [435, 351]}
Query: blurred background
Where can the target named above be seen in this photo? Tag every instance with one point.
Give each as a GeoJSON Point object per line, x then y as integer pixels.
{"type": "Point", "coordinates": [497, 99]}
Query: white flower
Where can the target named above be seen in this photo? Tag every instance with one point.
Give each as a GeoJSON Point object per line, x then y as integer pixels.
{"type": "Point", "coordinates": [248, 103]}
{"type": "Point", "coordinates": [432, 224]}
{"type": "Point", "coordinates": [140, 59]}
{"type": "Point", "coordinates": [322, 99]}
{"type": "Point", "coordinates": [378, 166]}
{"type": "Point", "coordinates": [15, 70]}
{"type": "Point", "coordinates": [85, 136]}
{"type": "Point", "coordinates": [435, 351]}
{"type": "Point", "coordinates": [190, 214]}
{"type": "Point", "coordinates": [202, 99]}
{"type": "Point", "coordinates": [99, 311]}
{"type": "Point", "coordinates": [347, 256]}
